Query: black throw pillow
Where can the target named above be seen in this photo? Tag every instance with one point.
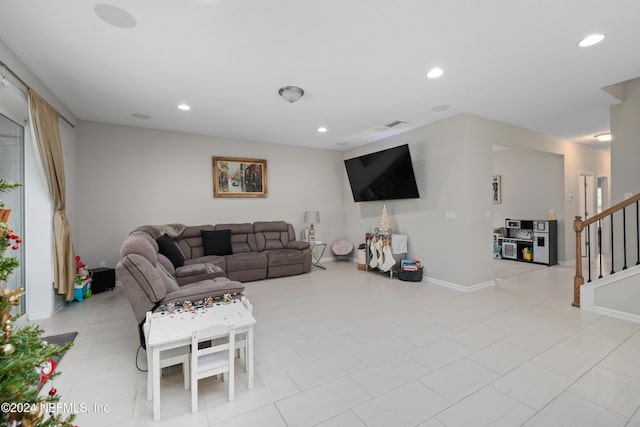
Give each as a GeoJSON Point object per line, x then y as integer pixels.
{"type": "Point", "coordinates": [168, 248]}
{"type": "Point", "coordinates": [216, 242]}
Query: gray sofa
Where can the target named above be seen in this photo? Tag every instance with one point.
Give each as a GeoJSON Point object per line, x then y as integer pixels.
{"type": "Point", "coordinates": [148, 281]}
{"type": "Point", "coordinates": [151, 276]}
{"type": "Point", "coordinates": [261, 250]}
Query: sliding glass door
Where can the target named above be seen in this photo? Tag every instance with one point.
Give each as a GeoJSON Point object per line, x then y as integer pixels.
{"type": "Point", "coordinates": [12, 169]}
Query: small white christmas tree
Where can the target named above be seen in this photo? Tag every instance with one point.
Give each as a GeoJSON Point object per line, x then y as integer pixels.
{"type": "Point", "coordinates": [385, 223]}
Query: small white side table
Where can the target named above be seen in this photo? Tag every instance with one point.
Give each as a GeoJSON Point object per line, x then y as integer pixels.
{"type": "Point", "coordinates": [315, 262]}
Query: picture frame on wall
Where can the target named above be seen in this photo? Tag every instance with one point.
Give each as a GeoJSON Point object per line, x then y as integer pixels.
{"type": "Point", "coordinates": [239, 177]}
{"type": "Point", "coordinates": [496, 189]}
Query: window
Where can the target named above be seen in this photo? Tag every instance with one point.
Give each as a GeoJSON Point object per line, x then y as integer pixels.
{"type": "Point", "coordinates": [12, 169]}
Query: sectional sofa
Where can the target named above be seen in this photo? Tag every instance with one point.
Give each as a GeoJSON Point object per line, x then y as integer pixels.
{"type": "Point", "coordinates": [256, 251]}
{"type": "Point", "coordinates": [173, 263]}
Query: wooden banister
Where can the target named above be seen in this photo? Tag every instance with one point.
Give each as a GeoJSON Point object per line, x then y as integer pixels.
{"type": "Point", "coordinates": [578, 226]}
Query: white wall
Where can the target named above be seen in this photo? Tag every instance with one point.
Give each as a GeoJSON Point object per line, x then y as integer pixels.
{"type": "Point", "coordinates": [129, 176]}
{"type": "Point", "coordinates": [453, 163]}
{"type": "Point", "coordinates": [622, 295]}
{"type": "Point", "coordinates": [453, 171]}
{"type": "Point", "coordinates": [576, 158]}
{"type": "Point", "coordinates": [529, 186]}
{"type": "Point", "coordinates": [625, 152]}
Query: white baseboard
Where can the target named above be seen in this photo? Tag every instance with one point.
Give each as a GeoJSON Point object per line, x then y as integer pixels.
{"type": "Point", "coordinates": [458, 287]}
{"type": "Point", "coordinates": [612, 313]}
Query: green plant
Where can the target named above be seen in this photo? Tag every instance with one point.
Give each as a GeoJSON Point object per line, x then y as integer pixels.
{"type": "Point", "coordinates": [22, 351]}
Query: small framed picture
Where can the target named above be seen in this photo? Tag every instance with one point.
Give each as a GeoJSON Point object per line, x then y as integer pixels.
{"type": "Point", "coordinates": [312, 240]}
{"type": "Point", "coordinates": [496, 189]}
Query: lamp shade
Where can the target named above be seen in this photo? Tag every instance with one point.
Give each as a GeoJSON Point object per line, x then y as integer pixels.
{"type": "Point", "coordinates": [312, 217]}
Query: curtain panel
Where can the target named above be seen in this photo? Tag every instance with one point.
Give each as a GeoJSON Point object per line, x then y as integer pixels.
{"type": "Point", "coordinates": [47, 134]}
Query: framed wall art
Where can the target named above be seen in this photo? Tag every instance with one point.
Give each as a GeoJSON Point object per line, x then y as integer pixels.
{"type": "Point", "coordinates": [496, 189]}
{"type": "Point", "coordinates": [239, 177]}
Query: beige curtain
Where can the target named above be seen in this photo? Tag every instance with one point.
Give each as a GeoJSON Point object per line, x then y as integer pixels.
{"type": "Point", "coordinates": [47, 133]}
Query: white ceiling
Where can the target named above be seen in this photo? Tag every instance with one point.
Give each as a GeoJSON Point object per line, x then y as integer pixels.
{"type": "Point", "coordinates": [362, 63]}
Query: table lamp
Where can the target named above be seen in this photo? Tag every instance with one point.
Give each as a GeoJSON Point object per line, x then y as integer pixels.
{"type": "Point", "coordinates": [312, 217]}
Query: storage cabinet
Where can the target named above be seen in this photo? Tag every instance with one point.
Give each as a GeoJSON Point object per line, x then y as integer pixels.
{"type": "Point", "coordinates": [103, 278]}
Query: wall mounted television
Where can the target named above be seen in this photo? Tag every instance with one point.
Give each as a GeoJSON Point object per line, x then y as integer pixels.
{"type": "Point", "coordinates": [383, 175]}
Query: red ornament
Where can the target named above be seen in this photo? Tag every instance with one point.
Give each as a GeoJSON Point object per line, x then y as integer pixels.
{"type": "Point", "coordinates": [7, 335]}
{"type": "Point", "coordinates": [18, 240]}
{"type": "Point", "coordinates": [52, 391]}
{"type": "Point", "coordinates": [15, 247]}
{"type": "Point", "coordinates": [8, 243]}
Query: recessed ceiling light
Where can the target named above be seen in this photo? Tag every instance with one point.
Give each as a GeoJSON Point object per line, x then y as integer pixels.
{"type": "Point", "coordinates": [115, 16]}
{"type": "Point", "coordinates": [322, 129]}
{"type": "Point", "coordinates": [434, 73]}
{"type": "Point", "coordinates": [603, 137]}
{"type": "Point", "coordinates": [184, 107]}
{"type": "Point", "coordinates": [591, 39]}
{"type": "Point", "coordinates": [141, 116]}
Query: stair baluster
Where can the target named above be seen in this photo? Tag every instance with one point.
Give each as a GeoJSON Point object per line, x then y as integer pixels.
{"type": "Point", "coordinates": [624, 237]}
{"type": "Point", "coordinates": [588, 247]}
{"type": "Point", "coordinates": [613, 271]}
{"type": "Point", "coordinates": [600, 247]}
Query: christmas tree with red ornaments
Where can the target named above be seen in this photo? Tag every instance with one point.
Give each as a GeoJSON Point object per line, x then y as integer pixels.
{"type": "Point", "coordinates": [26, 396]}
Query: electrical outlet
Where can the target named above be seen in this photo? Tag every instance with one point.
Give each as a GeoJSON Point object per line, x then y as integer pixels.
{"type": "Point", "coordinates": [450, 215]}
{"type": "Point", "coordinates": [103, 263]}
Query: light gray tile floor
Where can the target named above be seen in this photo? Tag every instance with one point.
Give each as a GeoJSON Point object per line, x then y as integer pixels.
{"type": "Point", "coordinates": [343, 347]}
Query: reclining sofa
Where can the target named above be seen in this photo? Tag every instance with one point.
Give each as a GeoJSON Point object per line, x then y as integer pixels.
{"type": "Point", "coordinates": [257, 251]}
{"type": "Point", "coordinates": [173, 263]}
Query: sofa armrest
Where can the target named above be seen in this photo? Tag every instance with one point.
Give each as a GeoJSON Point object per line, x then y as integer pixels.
{"type": "Point", "coordinates": [298, 244]}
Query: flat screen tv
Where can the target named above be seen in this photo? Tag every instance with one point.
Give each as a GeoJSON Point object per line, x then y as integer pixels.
{"type": "Point", "coordinates": [383, 175]}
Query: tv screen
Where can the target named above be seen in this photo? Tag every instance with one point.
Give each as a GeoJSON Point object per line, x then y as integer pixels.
{"type": "Point", "coordinates": [383, 175]}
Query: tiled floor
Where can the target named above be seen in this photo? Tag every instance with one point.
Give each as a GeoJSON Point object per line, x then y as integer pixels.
{"type": "Point", "coordinates": [343, 347]}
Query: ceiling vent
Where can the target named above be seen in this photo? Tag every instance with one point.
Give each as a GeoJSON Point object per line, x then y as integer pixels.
{"type": "Point", "coordinates": [395, 123]}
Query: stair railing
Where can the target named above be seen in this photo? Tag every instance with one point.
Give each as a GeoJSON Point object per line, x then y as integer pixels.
{"type": "Point", "coordinates": [579, 226]}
